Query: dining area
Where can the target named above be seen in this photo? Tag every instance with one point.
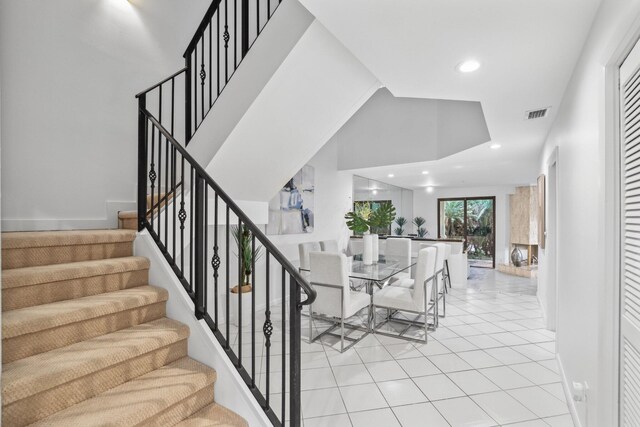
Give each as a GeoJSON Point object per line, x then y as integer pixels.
{"type": "Point", "coordinates": [422, 349]}
{"type": "Point", "coordinates": [401, 293]}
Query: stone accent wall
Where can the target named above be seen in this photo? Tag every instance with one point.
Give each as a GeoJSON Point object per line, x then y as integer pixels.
{"type": "Point", "coordinates": [524, 217]}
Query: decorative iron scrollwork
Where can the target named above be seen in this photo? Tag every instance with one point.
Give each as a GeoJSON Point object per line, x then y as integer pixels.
{"type": "Point", "coordinates": [267, 329]}
{"type": "Point", "coordinates": [225, 36]}
{"type": "Point", "coordinates": [203, 75]}
{"type": "Point", "coordinates": [182, 215]}
{"type": "Point", "coordinates": [215, 262]}
{"type": "Point", "coordinates": [152, 175]}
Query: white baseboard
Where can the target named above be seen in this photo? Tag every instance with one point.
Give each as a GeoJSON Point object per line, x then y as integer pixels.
{"type": "Point", "coordinates": [573, 411]}
{"type": "Point", "coordinates": [41, 224]}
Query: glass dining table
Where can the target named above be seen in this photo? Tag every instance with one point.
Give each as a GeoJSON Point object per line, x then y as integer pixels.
{"type": "Point", "coordinates": [376, 275]}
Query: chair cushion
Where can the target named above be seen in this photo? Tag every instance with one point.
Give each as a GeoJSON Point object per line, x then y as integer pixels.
{"type": "Point", "coordinates": [357, 301]}
{"type": "Point", "coordinates": [395, 297]}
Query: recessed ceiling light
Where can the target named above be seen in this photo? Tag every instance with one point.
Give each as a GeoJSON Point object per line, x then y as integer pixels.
{"type": "Point", "coordinates": [429, 189]}
{"type": "Point", "coordinates": [391, 175]}
{"type": "Point", "coordinates": [495, 146]}
{"type": "Point", "coordinates": [425, 172]}
{"type": "Point", "coordinates": [468, 66]}
{"type": "Point", "coordinates": [374, 192]}
{"type": "Point", "coordinates": [457, 167]}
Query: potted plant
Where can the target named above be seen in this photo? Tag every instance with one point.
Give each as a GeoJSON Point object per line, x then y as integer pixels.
{"type": "Point", "coordinates": [244, 242]}
{"type": "Point", "coordinates": [363, 220]}
{"type": "Point", "coordinates": [419, 222]}
{"type": "Point", "coordinates": [400, 222]}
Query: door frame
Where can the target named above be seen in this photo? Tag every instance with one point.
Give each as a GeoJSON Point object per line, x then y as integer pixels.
{"type": "Point", "coordinates": [552, 239]}
{"type": "Point", "coordinates": [611, 149]}
{"type": "Point", "coordinates": [464, 199]}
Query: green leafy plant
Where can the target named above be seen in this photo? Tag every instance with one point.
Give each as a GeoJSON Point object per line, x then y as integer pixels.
{"type": "Point", "coordinates": [400, 222]}
{"type": "Point", "coordinates": [356, 223]}
{"type": "Point", "coordinates": [248, 256]}
{"type": "Point", "coordinates": [453, 218]}
{"type": "Point", "coordinates": [364, 218]}
{"type": "Point", "coordinates": [419, 222]}
{"type": "Point", "coordinates": [382, 217]}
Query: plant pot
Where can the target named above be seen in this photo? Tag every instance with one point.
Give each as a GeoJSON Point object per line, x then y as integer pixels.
{"type": "Point", "coordinates": [367, 254]}
{"type": "Point", "coordinates": [246, 306]}
{"type": "Point", "coordinates": [375, 253]}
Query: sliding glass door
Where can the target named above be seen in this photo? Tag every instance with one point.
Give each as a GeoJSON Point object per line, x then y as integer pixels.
{"type": "Point", "coordinates": [473, 220]}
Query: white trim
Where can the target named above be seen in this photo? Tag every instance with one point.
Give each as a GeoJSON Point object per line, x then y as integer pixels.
{"type": "Point", "coordinates": [609, 334]}
{"type": "Point", "coordinates": [571, 404]}
{"type": "Point", "coordinates": [40, 224]}
{"type": "Point", "coordinates": [554, 158]}
{"type": "Point", "coordinates": [230, 389]}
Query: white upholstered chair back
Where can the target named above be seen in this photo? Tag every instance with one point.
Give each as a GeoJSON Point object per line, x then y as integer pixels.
{"type": "Point", "coordinates": [442, 250]}
{"type": "Point", "coordinates": [425, 268]}
{"type": "Point", "coordinates": [399, 248]}
{"type": "Point", "coordinates": [330, 269]}
{"type": "Point", "coordinates": [456, 248]}
{"type": "Point", "coordinates": [304, 249]}
{"type": "Point", "coordinates": [355, 247]}
{"type": "Point", "coordinates": [329, 246]}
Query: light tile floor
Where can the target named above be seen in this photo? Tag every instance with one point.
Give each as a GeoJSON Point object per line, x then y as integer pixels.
{"type": "Point", "coordinates": [490, 363]}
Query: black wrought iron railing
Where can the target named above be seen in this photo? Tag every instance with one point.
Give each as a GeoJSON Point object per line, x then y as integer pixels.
{"type": "Point", "coordinates": [212, 246]}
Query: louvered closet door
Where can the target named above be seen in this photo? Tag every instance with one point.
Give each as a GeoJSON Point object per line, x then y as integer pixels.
{"type": "Point", "coordinates": [630, 240]}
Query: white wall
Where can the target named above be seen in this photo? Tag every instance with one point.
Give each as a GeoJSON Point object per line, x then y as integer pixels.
{"type": "Point", "coordinates": [276, 40]}
{"type": "Point", "coordinates": [333, 199]}
{"type": "Point", "coordinates": [69, 71]}
{"type": "Point", "coordinates": [582, 133]}
{"type": "Point", "coordinates": [426, 205]}
{"type": "Point", "coordinates": [313, 93]}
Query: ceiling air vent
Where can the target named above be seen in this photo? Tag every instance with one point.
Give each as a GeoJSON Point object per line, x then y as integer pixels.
{"type": "Point", "coordinates": [536, 114]}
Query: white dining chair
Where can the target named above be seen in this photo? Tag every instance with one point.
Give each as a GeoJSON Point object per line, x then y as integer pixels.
{"type": "Point", "coordinates": [446, 274]}
{"type": "Point", "coordinates": [355, 247]}
{"type": "Point", "coordinates": [304, 249]}
{"type": "Point", "coordinates": [329, 246]}
{"type": "Point", "coordinates": [417, 300]}
{"type": "Point", "coordinates": [335, 301]}
{"type": "Point", "coordinates": [439, 273]}
{"type": "Point", "coordinates": [400, 249]}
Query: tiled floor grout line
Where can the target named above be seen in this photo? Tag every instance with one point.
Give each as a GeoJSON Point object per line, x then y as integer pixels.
{"type": "Point", "coordinates": [464, 310]}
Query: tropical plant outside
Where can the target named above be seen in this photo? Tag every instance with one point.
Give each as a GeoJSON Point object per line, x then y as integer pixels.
{"type": "Point", "coordinates": [480, 236]}
{"type": "Point", "coordinates": [479, 227]}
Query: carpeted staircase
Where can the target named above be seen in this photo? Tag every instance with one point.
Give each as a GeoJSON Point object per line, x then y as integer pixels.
{"type": "Point", "coordinates": [85, 340]}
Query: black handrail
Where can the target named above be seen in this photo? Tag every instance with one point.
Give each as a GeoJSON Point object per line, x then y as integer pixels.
{"type": "Point", "coordinates": [160, 83]}
{"type": "Point", "coordinates": [255, 230]}
{"type": "Point", "coordinates": [213, 7]}
{"type": "Point", "coordinates": [178, 217]}
{"type": "Point", "coordinates": [161, 159]}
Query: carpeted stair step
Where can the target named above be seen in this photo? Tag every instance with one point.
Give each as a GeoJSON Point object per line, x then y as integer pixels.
{"type": "Point", "coordinates": [128, 220]}
{"type": "Point", "coordinates": [162, 397]}
{"type": "Point", "coordinates": [26, 249]}
{"type": "Point", "coordinates": [30, 286]}
{"type": "Point", "coordinates": [41, 385]}
{"type": "Point", "coordinates": [33, 330]}
{"type": "Point", "coordinates": [214, 415]}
